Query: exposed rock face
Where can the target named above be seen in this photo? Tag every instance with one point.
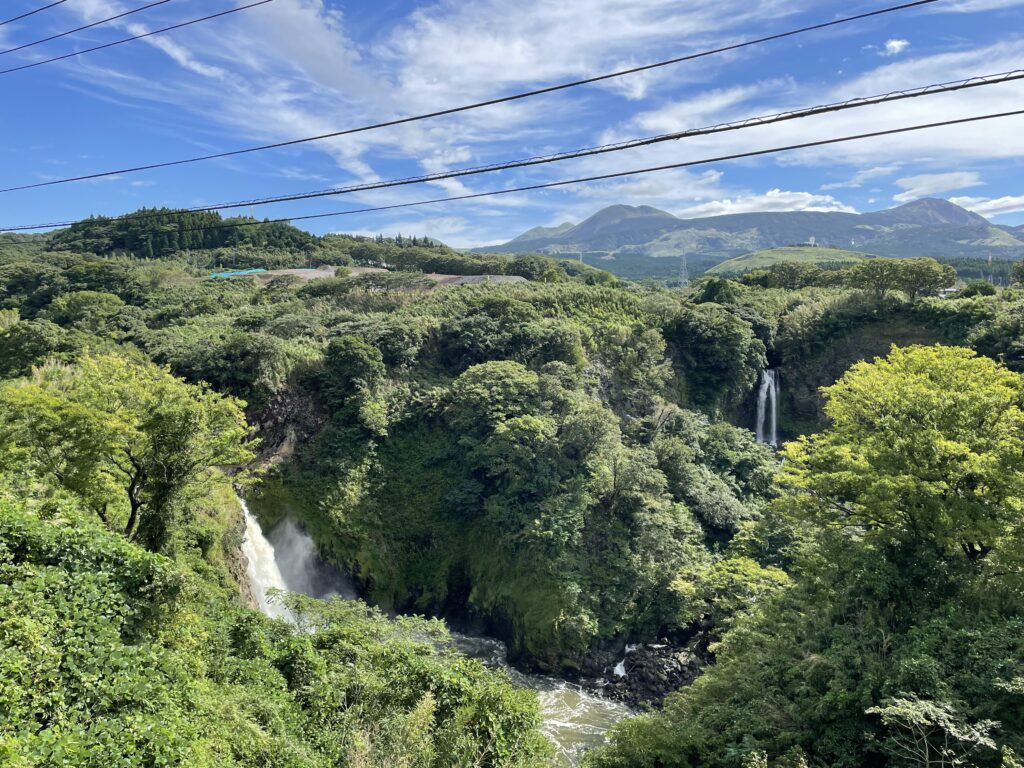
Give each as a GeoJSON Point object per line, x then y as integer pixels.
{"type": "Point", "coordinates": [291, 418]}
{"type": "Point", "coordinates": [237, 563]}
{"type": "Point", "coordinates": [644, 675]}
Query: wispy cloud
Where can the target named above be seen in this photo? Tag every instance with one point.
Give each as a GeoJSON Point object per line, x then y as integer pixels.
{"type": "Point", "coordinates": [929, 184]}
{"type": "Point", "coordinates": [298, 68]}
{"type": "Point", "coordinates": [860, 178]}
{"type": "Point", "coordinates": [991, 207]}
{"type": "Point", "coordinates": [774, 200]}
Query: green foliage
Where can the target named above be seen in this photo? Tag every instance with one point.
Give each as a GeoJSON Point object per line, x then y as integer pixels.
{"type": "Point", "coordinates": [926, 446]}
{"type": "Point", "coordinates": [28, 343]}
{"type": "Point", "coordinates": [88, 310]}
{"type": "Point", "coordinates": [915, 277]}
{"type": "Point", "coordinates": [1017, 273]}
{"type": "Point", "coordinates": [922, 277]}
{"type": "Point", "coordinates": [729, 586]}
{"type": "Point", "coordinates": [150, 233]}
{"type": "Point", "coordinates": [978, 288]}
{"type": "Point", "coordinates": [128, 439]}
{"type": "Point", "coordinates": [110, 657]}
{"type": "Point", "coordinates": [520, 456]}
{"type": "Point", "coordinates": [721, 359]}
{"type": "Point", "coordinates": [893, 644]}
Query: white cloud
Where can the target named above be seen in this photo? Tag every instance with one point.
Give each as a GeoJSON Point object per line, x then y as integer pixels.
{"type": "Point", "coordinates": [975, 6]}
{"type": "Point", "coordinates": [928, 184]}
{"type": "Point", "coordinates": [774, 200]}
{"type": "Point", "coordinates": [448, 49]}
{"type": "Point", "coordinates": [991, 207]}
{"type": "Point", "coordinates": [896, 46]}
{"type": "Point", "coordinates": [667, 187]}
{"type": "Point", "coordinates": [861, 177]}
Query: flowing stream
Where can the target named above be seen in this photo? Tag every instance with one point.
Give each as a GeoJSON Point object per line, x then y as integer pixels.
{"type": "Point", "coordinates": [286, 558]}
{"type": "Point", "coordinates": [767, 429]}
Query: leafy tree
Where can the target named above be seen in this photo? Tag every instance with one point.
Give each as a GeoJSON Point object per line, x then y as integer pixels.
{"type": "Point", "coordinates": [718, 356]}
{"type": "Point", "coordinates": [1017, 272]}
{"type": "Point", "coordinates": [928, 733]}
{"type": "Point", "coordinates": [88, 310]}
{"type": "Point", "coordinates": [897, 635]}
{"type": "Point", "coordinates": [113, 656]}
{"type": "Point", "coordinates": [878, 276]}
{"type": "Point", "coordinates": [251, 365]}
{"type": "Point", "coordinates": [924, 277]}
{"type": "Point", "coordinates": [29, 286]}
{"type": "Point", "coordinates": [978, 288]}
{"type": "Point", "coordinates": [926, 446]}
{"type": "Point", "coordinates": [128, 438]}
{"type": "Point", "coordinates": [729, 586]}
{"type": "Point", "coordinates": [717, 290]}
{"type": "Point", "coordinates": [353, 371]}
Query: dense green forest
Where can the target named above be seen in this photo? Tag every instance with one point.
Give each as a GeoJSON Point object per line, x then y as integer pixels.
{"type": "Point", "coordinates": [566, 463]}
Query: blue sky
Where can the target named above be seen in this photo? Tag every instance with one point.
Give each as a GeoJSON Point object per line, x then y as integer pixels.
{"type": "Point", "coordinates": [299, 67]}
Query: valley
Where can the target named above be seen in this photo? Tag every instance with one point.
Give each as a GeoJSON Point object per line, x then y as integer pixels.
{"type": "Point", "coordinates": [580, 474]}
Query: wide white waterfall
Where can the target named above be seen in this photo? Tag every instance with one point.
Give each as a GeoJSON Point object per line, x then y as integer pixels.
{"type": "Point", "coordinates": [767, 428]}
{"type": "Point", "coordinates": [286, 558]}
{"type": "Point", "coordinates": [261, 565]}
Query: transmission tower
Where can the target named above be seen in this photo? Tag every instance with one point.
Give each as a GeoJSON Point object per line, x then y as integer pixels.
{"type": "Point", "coordinates": [684, 271]}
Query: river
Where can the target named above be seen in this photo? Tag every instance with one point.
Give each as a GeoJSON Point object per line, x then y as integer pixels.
{"type": "Point", "coordinates": [286, 558]}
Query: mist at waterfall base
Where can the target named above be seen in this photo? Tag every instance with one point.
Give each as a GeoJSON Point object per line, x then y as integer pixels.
{"type": "Point", "coordinates": [767, 427]}
{"type": "Point", "coordinates": [286, 558]}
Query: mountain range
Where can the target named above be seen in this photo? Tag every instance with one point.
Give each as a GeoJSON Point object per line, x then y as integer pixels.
{"type": "Point", "coordinates": [641, 241]}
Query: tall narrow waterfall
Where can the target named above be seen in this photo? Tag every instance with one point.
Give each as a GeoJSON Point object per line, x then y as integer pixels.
{"type": "Point", "coordinates": [767, 430]}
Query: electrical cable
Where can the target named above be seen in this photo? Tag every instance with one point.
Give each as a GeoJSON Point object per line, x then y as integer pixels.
{"type": "Point", "coordinates": [467, 107]}
{"type": "Point", "coordinates": [929, 90]}
{"type": "Point", "coordinates": [606, 176]}
{"type": "Point", "coordinates": [32, 13]}
{"type": "Point", "coordinates": [83, 28]}
{"type": "Point", "coordinates": [133, 38]}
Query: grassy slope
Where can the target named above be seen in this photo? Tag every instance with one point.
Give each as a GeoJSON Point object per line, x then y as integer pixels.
{"type": "Point", "coordinates": [802, 254]}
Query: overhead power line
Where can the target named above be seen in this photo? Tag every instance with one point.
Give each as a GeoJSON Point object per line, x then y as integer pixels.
{"type": "Point", "coordinates": [135, 37]}
{"type": "Point", "coordinates": [609, 176]}
{"type": "Point", "coordinates": [479, 104]}
{"type": "Point", "coordinates": [83, 28]}
{"type": "Point", "coordinates": [751, 122]}
{"type": "Point", "coordinates": [32, 13]}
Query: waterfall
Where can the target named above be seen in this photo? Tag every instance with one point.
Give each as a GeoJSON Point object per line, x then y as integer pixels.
{"type": "Point", "coordinates": [261, 565]}
{"type": "Point", "coordinates": [767, 429]}
{"type": "Point", "coordinates": [286, 559]}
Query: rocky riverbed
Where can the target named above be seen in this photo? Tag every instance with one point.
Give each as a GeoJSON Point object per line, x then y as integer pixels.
{"type": "Point", "coordinates": [644, 674]}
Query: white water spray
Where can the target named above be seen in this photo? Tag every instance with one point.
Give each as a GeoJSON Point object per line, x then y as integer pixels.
{"type": "Point", "coordinates": [767, 429]}
{"type": "Point", "coordinates": [286, 558]}
{"type": "Point", "coordinates": [261, 565]}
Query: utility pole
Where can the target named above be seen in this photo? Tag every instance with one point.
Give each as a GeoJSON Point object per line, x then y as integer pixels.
{"type": "Point", "coordinates": [684, 271]}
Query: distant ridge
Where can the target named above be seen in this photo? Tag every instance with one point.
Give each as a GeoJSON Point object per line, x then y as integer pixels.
{"type": "Point", "coordinates": [801, 254]}
{"type": "Point", "coordinates": [541, 232]}
{"type": "Point", "coordinates": [634, 240]}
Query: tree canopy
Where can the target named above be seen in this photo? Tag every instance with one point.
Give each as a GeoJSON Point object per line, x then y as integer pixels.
{"type": "Point", "coordinates": [128, 438]}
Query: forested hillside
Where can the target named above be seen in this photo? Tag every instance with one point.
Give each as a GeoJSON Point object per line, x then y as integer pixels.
{"type": "Point", "coordinates": [564, 464]}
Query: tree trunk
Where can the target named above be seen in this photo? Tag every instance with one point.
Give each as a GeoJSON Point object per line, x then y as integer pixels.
{"type": "Point", "coordinates": [135, 500]}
